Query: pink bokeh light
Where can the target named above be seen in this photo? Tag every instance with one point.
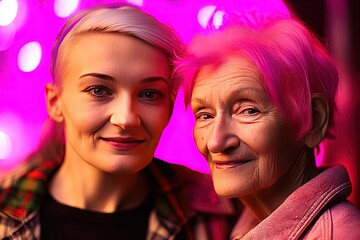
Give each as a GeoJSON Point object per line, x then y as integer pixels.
{"type": "Point", "coordinates": [8, 11]}
{"type": "Point", "coordinates": [16, 136]}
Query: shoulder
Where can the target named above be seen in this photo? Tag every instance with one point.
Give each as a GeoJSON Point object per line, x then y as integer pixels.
{"type": "Point", "coordinates": [28, 168]}
{"type": "Point", "coordinates": [22, 191]}
{"type": "Point", "coordinates": [346, 218]}
{"type": "Point", "coordinates": [19, 228]}
{"type": "Point", "coordinates": [339, 220]}
{"type": "Point", "coordinates": [33, 161]}
{"type": "Point", "coordinates": [7, 224]}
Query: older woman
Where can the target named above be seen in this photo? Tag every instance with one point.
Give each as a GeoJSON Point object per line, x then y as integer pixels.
{"type": "Point", "coordinates": [264, 99]}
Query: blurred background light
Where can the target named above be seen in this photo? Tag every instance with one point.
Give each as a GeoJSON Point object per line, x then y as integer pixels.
{"type": "Point", "coordinates": [5, 146]}
{"type": "Point", "coordinates": [13, 140]}
{"type": "Point", "coordinates": [29, 56]}
{"type": "Point", "coordinates": [8, 11]}
{"type": "Point", "coordinates": [64, 8]}
{"type": "Point", "coordinates": [204, 15]}
{"type": "Point", "coordinates": [218, 19]}
{"type": "Point", "coordinates": [7, 34]}
{"type": "Point", "coordinates": [136, 2]}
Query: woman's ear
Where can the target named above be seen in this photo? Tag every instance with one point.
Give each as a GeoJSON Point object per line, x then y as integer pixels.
{"type": "Point", "coordinates": [320, 120]}
{"type": "Point", "coordinates": [53, 103]}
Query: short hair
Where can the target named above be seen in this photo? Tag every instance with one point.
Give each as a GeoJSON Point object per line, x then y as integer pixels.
{"type": "Point", "coordinates": [292, 61]}
{"type": "Point", "coordinates": [118, 18]}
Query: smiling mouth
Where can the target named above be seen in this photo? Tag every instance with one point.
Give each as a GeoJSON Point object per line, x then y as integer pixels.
{"type": "Point", "coordinates": [123, 144]}
{"type": "Point", "coordinates": [230, 164]}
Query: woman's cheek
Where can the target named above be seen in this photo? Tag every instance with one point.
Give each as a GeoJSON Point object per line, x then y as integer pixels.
{"type": "Point", "coordinates": [200, 140]}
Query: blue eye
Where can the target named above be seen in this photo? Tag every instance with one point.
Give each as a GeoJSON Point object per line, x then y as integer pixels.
{"type": "Point", "coordinates": [98, 91]}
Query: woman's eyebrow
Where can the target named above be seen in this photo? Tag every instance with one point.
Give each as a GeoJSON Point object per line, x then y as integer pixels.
{"type": "Point", "coordinates": [107, 77]}
{"type": "Point", "coordinates": [155, 79]}
{"type": "Point", "coordinates": [199, 101]}
{"type": "Point", "coordinates": [97, 75]}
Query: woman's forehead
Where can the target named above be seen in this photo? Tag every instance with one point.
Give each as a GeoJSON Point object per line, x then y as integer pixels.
{"type": "Point", "coordinates": [231, 68]}
{"type": "Point", "coordinates": [112, 50]}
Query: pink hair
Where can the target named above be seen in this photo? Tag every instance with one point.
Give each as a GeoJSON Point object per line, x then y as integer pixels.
{"type": "Point", "coordinates": [293, 63]}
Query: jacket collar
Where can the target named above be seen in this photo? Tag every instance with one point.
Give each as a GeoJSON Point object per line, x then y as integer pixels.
{"type": "Point", "coordinates": [298, 211]}
{"type": "Point", "coordinates": [25, 194]}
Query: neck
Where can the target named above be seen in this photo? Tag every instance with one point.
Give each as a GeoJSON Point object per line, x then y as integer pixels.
{"type": "Point", "coordinates": [83, 186]}
{"type": "Point", "coordinates": [264, 201]}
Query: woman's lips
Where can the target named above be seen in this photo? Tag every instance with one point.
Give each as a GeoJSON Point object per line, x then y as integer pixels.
{"type": "Point", "coordinates": [123, 144]}
{"type": "Point", "coordinates": [230, 164]}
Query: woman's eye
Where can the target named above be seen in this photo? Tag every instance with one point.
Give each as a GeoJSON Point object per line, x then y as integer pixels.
{"type": "Point", "coordinates": [98, 91]}
{"type": "Point", "coordinates": [203, 116]}
{"type": "Point", "coordinates": [151, 95]}
{"type": "Point", "coordinates": [250, 112]}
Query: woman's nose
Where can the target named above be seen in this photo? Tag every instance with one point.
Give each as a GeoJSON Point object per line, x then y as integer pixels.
{"type": "Point", "coordinates": [222, 138]}
{"type": "Point", "coordinates": [125, 114]}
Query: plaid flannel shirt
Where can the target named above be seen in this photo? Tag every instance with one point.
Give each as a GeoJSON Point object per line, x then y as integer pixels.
{"type": "Point", "coordinates": [185, 204]}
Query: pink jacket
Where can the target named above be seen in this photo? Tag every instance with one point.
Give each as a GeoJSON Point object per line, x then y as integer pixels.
{"type": "Point", "coordinates": [317, 210]}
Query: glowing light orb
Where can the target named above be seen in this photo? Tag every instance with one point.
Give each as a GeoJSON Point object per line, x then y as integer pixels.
{"type": "Point", "coordinates": [136, 2]}
{"type": "Point", "coordinates": [218, 19]}
{"type": "Point", "coordinates": [204, 15]}
{"type": "Point", "coordinates": [5, 146]}
{"type": "Point", "coordinates": [8, 11]}
{"type": "Point", "coordinates": [64, 8]}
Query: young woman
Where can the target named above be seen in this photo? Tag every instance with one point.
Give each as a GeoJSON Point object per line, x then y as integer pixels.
{"type": "Point", "coordinates": [112, 96]}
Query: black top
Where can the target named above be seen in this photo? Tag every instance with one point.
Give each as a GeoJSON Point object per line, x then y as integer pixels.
{"type": "Point", "coordinates": [59, 221]}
